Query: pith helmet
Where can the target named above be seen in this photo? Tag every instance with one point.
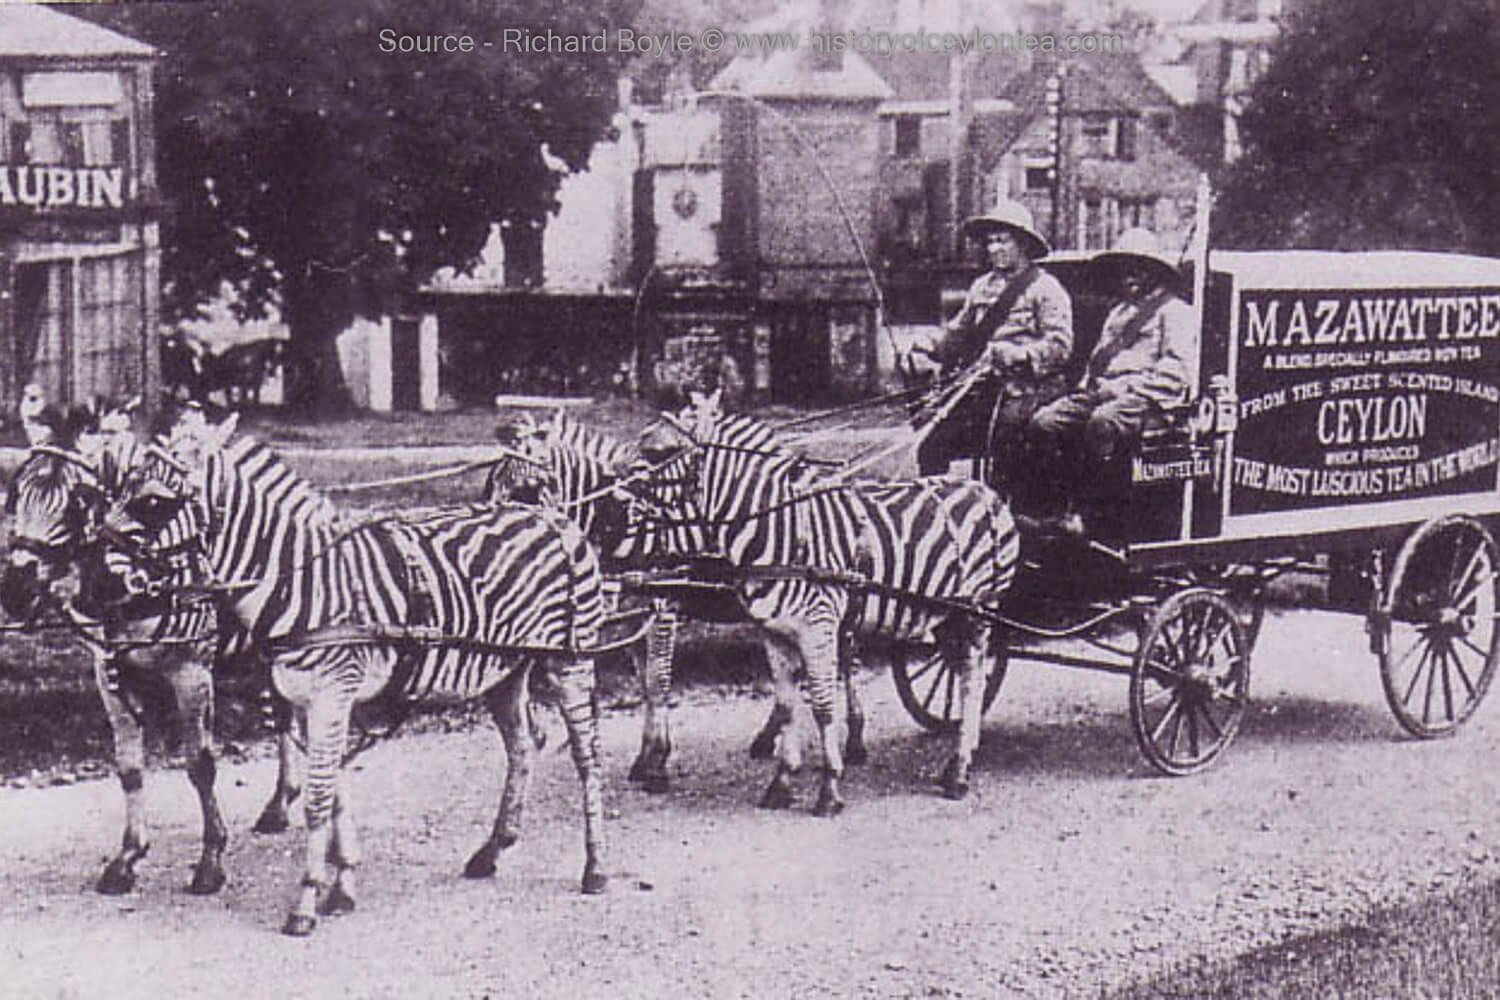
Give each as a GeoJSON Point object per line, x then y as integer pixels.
{"type": "Point", "coordinates": [1134, 247]}
{"type": "Point", "coordinates": [1014, 216]}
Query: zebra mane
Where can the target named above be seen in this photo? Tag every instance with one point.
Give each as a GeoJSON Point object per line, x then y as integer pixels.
{"type": "Point", "coordinates": [596, 447]}
{"type": "Point", "coordinates": [247, 457]}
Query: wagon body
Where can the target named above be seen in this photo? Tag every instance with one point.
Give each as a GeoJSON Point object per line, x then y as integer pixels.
{"type": "Point", "coordinates": [1345, 422]}
{"type": "Point", "coordinates": [1358, 394]}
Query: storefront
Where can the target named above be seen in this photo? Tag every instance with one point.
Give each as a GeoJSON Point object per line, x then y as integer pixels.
{"type": "Point", "coordinates": [79, 244]}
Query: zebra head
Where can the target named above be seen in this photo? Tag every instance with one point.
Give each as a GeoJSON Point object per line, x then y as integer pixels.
{"type": "Point", "coordinates": [155, 526]}
{"type": "Point", "coordinates": [561, 463]}
{"type": "Point", "coordinates": [713, 475]}
{"type": "Point", "coordinates": [524, 472]}
{"type": "Point", "coordinates": [57, 503]}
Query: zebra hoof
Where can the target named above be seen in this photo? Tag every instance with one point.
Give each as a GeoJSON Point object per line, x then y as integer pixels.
{"type": "Point", "coordinates": [298, 925]}
{"type": "Point", "coordinates": [657, 784]}
{"type": "Point", "coordinates": [336, 903]}
{"type": "Point", "coordinates": [594, 883]}
{"type": "Point", "coordinates": [955, 790]}
{"type": "Point", "coordinates": [117, 879]}
{"type": "Point", "coordinates": [481, 865]}
{"type": "Point", "coordinates": [955, 780]}
{"type": "Point", "coordinates": [778, 795]}
{"type": "Point", "coordinates": [638, 771]}
{"type": "Point", "coordinates": [207, 880]}
{"type": "Point", "coordinates": [828, 805]}
{"type": "Point", "coordinates": [763, 747]}
{"type": "Point", "coordinates": [271, 821]}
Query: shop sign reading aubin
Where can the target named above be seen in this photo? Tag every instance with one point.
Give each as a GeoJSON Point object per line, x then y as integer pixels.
{"type": "Point", "coordinates": [44, 188]}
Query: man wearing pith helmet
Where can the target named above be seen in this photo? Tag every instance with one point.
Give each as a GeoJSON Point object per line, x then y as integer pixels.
{"type": "Point", "coordinates": [1016, 321]}
{"type": "Point", "coordinates": [1146, 359]}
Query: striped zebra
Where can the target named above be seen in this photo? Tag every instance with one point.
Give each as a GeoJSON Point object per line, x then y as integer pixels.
{"type": "Point", "coordinates": [131, 623]}
{"type": "Point", "coordinates": [898, 560]}
{"type": "Point", "coordinates": [575, 468]}
{"type": "Point", "coordinates": [450, 604]}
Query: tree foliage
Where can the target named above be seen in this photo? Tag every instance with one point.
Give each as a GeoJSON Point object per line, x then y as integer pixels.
{"type": "Point", "coordinates": [310, 169]}
{"type": "Point", "coordinates": [1373, 127]}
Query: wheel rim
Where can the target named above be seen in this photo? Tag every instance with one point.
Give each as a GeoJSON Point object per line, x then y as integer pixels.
{"type": "Point", "coordinates": [1190, 683]}
{"type": "Point", "coordinates": [1440, 640]}
{"type": "Point", "coordinates": [929, 689]}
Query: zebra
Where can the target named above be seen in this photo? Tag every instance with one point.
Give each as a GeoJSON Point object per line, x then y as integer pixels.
{"type": "Point", "coordinates": [900, 560]}
{"type": "Point", "coordinates": [131, 623]}
{"type": "Point", "coordinates": [575, 467]}
{"type": "Point", "coordinates": [438, 604]}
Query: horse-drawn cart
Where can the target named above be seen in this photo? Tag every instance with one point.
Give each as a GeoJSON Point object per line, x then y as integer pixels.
{"type": "Point", "coordinates": [1346, 425]}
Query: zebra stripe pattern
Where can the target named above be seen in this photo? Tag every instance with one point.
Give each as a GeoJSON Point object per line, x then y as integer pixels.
{"type": "Point", "coordinates": [314, 589]}
{"type": "Point", "coordinates": [59, 500]}
{"type": "Point", "coordinates": [577, 467]}
{"type": "Point", "coordinates": [927, 547]}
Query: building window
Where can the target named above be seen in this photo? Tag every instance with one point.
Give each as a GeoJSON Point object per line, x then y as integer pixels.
{"type": "Point", "coordinates": [1038, 178]}
{"type": "Point", "coordinates": [1092, 225]}
{"type": "Point", "coordinates": [908, 135]}
{"type": "Point", "coordinates": [1125, 138]}
{"type": "Point", "coordinates": [1136, 212]}
{"type": "Point", "coordinates": [1109, 137]}
{"type": "Point", "coordinates": [20, 142]}
{"type": "Point", "coordinates": [1098, 137]}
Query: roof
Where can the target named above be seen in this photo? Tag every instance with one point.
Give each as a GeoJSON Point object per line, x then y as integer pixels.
{"type": "Point", "coordinates": [1328, 269]}
{"type": "Point", "coordinates": [29, 29]}
{"type": "Point", "coordinates": [791, 74]}
{"type": "Point", "coordinates": [924, 76]}
{"type": "Point", "coordinates": [1107, 81]}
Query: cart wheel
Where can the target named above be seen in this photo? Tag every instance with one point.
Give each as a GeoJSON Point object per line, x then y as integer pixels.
{"type": "Point", "coordinates": [929, 690]}
{"type": "Point", "coordinates": [1190, 683]}
{"type": "Point", "coordinates": [1436, 633]}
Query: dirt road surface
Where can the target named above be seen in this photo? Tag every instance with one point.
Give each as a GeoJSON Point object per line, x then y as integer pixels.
{"type": "Point", "coordinates": [1068, 869]}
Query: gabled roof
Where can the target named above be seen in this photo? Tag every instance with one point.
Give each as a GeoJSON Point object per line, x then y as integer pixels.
{"type": "Point", "coordinates": [29, 29]}
{"type": "Point", "coordinates": [1099, 82]}
{"type": "Point", "coordinates": [792, 74]}
{"type": "Point", "coordinates": [924, 76]}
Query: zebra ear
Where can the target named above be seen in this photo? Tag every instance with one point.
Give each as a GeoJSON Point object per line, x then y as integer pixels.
{"type": "Point", "coordinates": [218, 437]}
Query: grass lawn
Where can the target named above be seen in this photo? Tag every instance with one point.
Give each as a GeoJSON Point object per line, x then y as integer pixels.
{"type": "Point", "coordinates": [1439, 947]}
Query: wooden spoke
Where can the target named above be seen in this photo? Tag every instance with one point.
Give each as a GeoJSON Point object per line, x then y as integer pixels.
{"type": "Point", "coordinates": [1193, 656]}
{"type": "Point", "coordinates": [1446, 580]}
{"type": "Point", "coordinates": [920, 673]}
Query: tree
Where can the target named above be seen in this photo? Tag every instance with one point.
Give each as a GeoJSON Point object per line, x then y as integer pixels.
{"type": "Point", "coordinates": [327, 158]}
{"type": "Point", "coordinates": [1373, 127]}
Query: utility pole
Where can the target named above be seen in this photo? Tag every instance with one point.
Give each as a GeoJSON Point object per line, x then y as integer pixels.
{"type": "Point", "coordinates": [1055, 104]}
{"type": "Point", "coordinates": [960, 111]}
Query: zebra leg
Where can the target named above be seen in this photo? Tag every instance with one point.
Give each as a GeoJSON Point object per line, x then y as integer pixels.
{"type": "Point", "coordinates": [820, 655]}
{"type": "Point", "coordinates": [855, 751]}
{"type": "Point", "coordinates": [784, 660]}
{"type": "Point", "coordinates": [327, 714]}
{"type": "Point", "coordinates": [343, 856]}
{"type": "Point", "coordinates": [507, 702]}
{"type": "Point", "coordinates": [650, 767]}
{"type": "Point", "coordinates": [276, 816]}
{"type": "Point", "coordinates": [763, 747]}
{"type": "Point", "coordinates": [580, 713]}
{"type": "Point", "coordinates": [964, 648]}
{"type": "Point", "coordinates": [192, 684]}
{"type": "Point", "coordinates": [118, 876]}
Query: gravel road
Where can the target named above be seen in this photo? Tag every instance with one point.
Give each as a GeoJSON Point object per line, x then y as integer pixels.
{"type": "Point", "coordinates": [1068, 869]}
